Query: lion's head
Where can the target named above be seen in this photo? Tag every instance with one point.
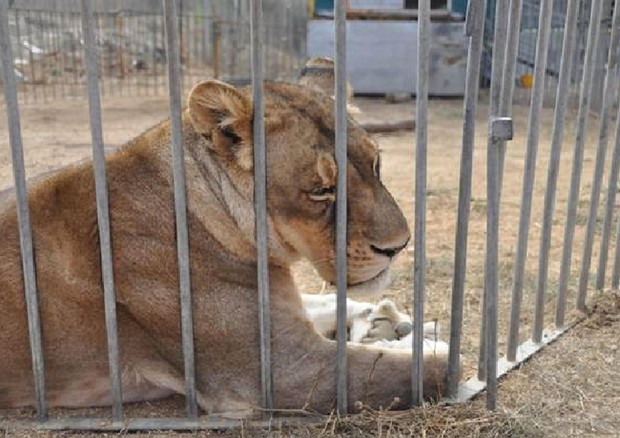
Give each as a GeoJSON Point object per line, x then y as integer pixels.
{"type": "Point", "coordinates": [301, 176]}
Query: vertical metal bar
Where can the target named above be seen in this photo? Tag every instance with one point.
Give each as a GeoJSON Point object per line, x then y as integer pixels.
{"type": "Point", "coordinates": [42, 46]}
{"type": "Point", "coordinates": [181, 46]}
{"type": "Point", "coordinates": [61, 50]}
{"type": "Point", "coordinates": [64, 55]}
{"type": "Point", "coordinates": [419, 255]}
{"type": "Point", "coordinates": [217, 34]}
{"type": "Point", "coordinates": [493, 197]}
{"type": "Point", "coordinates": [610, 203]}
{"type": "Point", "coordinates": [491, 272]}
{"type": "Point", "coordinates": [573, 197]}
{"type": "Point", "coordinates": [533, 124]}
{"type": "Point", "coordinates": [58, 53]}
{"type": "Point", "coordinates": [260, 200]}
{"type": "Point", "coordinates": [180, 203]}
{"type": "Point", "coordinates": [499, 51]}
{"type": "Point", "coordinates": [269, 49]}
{"type": "Point", "coordinates": [99, 19]}
{"type": "Point", "coordinates": [33, 80]}
{"type": "Point", "coordinates": [235, 37]}
{"type": "Point", "coordinates": [75, 43]}
{"type": "Point", "coordinates": [153, 71]}
{"type": "Point", "coordinates": [615, 274]}
{"type": "Point", "coordinates": [188, 50]}
{"type": "Point", "coordinates": [341, 200]}
{"type": "Point", "coordinates": [103, 216]}
{"type": "Point", "coordinates": [206, 32]}
{"type": "Point", "coordinates": [474, 28]}
{"type": "Point", "coordinates": [47, 42]}
{"type": "Point", "coordinates": [609, 97]}
{"type": "Point", "coordinates": [120, 64]}
{"type": "Point", "coordinates": [110, 26]}
{"type": "Point", "coordinates": [19, 38]}
{"type": "Point", "coordinates": [508, 75]}
{"type": "Point", "coordinates": [561, 103]}
{"type": "Point", "coordinates": [23, 215]}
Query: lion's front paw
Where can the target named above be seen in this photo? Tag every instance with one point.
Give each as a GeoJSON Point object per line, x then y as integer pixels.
{"type": "Point", "coordinates": [382, 329]}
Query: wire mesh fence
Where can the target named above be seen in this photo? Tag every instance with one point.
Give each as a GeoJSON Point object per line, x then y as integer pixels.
{"type": "Point", "coordinates": [525, 61]}
{"type": "Point", "coordinates": [48, 43]}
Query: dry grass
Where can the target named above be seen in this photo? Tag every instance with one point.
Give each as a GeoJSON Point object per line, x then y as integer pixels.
{"type": "Point", "coordinates": [569, 389]}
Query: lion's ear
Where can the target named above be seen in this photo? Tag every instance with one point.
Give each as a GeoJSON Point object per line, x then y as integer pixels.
{"type": "Point", "coordinates": [318, 74]}
{"type": "Point", "coordinates": [222, 113]}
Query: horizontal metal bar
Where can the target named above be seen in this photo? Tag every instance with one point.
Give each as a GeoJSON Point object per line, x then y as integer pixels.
{"type": "Point", "coordinates": [472, 387]}
{"type": "Point", "coordinates": [144, 424]}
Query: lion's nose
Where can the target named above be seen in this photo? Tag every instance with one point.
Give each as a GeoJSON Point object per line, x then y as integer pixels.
{"type": "Point", "coordinates": [389, 251]}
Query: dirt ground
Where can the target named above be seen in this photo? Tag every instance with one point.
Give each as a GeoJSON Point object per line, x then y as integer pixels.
{"type": "Point", "coordinates": [569, 389]}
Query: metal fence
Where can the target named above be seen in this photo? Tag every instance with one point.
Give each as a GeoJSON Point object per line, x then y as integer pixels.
{"type": "Point", "coordinates": [527, 49]}
{"type": "Point", "coordinates": [129, 42]}
{"type": "Point", "coordinates": [506, 31]}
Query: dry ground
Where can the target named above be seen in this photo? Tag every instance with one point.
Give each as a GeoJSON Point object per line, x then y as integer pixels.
{"type": "Point", "coordinates": [570, 389]}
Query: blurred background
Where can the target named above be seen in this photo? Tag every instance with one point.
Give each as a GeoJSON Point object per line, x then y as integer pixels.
{"type": "Point", "coordinates": [48, 45]}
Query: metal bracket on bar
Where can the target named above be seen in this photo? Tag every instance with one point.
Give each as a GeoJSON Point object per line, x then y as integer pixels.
{"type": "Point", "coordinates": [500, 128]}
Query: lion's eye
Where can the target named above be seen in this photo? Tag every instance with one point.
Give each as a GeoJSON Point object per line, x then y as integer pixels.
{"type": "Point", "coordinates": [323, 193]}
{"type": "Point", "coordinates": [376, 166]}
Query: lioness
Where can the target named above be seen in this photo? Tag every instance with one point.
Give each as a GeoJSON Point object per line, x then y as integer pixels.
{"type": "Point", "coordinates": [217, 139]}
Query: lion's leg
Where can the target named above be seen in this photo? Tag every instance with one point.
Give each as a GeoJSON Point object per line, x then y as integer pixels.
{"type": "Point", "coordinates": [376, 377]}
{"type": "Point", "coordinates": [305, 369]}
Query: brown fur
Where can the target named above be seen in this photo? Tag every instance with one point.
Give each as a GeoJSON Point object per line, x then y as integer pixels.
{"type": "Point", "coordinates": [319, 74]}
{"type": "Point", "coordinates": [217, 139]}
